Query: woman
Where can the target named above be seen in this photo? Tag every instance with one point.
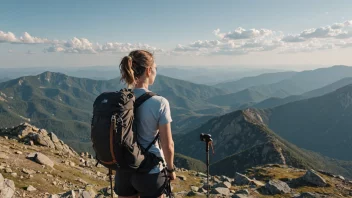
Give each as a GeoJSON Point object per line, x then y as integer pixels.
{"type": "Point", "coordinates": [138, 70]}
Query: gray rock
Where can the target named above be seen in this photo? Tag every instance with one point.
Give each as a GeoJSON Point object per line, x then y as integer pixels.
{"type": "Point", "coordinates": [8, 188]}
{"type": "Point", "coordinates": [1, 181]}
{"type": "Point", "coordinates": [31, 188]}
{"type": "Point", "coordinates": [8, 170]}
{"type": "Point", "coordinates": [341, 177]}
{"type": "Point", "coordinates": [14, 174]}
{"type": "Point", "coordinates": [222, 191]}
{"type": "Point", "coordinates": [277, 187]}
{"type": "Point", "coordinates": [19, 152]}
{"type": "Point", "coordinates": [312, 177]}
{"type": "Point", "coordinates": [202, 190]}
{"type": "Point", "coordinates": [243, 191]}
{"type": "Point", "coordinates": [58, 146]}
{"type": "Point", "coordinates": [29, 172]}
{"type": "Point", "coordinates": [241, 179]}
{"type": "Point", "coordinates": [44, 140]}
{"type": "Point", "coordinates": [54, 137]}
{"type": "Point", "coordinates": [41, 159]}
{"type": "Point", "coordinates": [227, 179]}
{"type": "Point", "coordinates": [200, 174]}
{"type": "Point", "coordinates": [223, 185]}
{"type": "Point", "coordinates": [194, 188]}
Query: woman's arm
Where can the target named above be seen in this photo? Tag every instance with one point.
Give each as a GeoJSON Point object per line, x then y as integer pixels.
{"type": "Point", "coordinates": [167, 145]}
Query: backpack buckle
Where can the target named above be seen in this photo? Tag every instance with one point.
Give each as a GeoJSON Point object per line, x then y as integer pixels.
{"type": "Point", "coordinates": [113, 118]}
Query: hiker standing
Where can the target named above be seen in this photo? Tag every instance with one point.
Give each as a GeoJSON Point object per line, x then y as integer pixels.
{"type": "Point", "coordinates": [138, 70]}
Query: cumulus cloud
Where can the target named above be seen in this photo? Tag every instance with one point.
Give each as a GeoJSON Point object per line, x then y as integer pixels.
{"type": "Point", "coordinates": [8, 37]}
{"type": "Point", "coordinates": [242, 41]}
{"type": "Point", "coordinates": [334, 31]}
{"type": "Point", "coordinates": [75, 45]}
{"type": "Point", "coordinates": [241, 33]}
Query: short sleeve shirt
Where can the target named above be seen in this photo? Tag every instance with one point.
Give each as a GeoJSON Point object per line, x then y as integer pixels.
{"type": "Point", "coordinates": [151, 114]}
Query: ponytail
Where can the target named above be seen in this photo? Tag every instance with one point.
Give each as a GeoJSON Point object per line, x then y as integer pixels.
{"type": "Point", "coordinates": [127, 73]}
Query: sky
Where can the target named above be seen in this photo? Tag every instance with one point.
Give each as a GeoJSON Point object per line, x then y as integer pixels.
{"type": "Point", "coordinates": [260, 34]}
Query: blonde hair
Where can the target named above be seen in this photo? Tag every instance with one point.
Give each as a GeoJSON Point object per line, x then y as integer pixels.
{"type": "Point", "coordinates": [133, 66]}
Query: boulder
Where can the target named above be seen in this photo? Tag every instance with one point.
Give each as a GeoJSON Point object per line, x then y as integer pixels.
{"type": "Point", "coordinates": [41, 159]}
{"type": "Point", "coordinates": [223, 185]}
{"type": "Point", "coordinates": [243, 191]}
{"type": "Point", "coordinates": [31, 188]}
{"type": "Point", "coordinates": [241, 179]}
{"type": "Point", "coordinates": [53, 137]}
{"type": "Point", "coordinates": [44, 140]}
{"type": "Point", "coordinates": [7, 187]}
{"type": "Point", "coordinates": [274, 187]}
{"type": "Point", "coordinates": [222, 191]}
{"type": "Point", "coordinates": [194, 188]}
{"type": "Point", "coordinates": [313, 178]}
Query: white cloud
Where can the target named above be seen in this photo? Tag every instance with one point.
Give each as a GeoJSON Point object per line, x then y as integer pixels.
{"type": "Point", "coordinates": [28, 39]}
{"type": "Point", "coordinates": [334, 31]}
{"type": "Point", "coordinates": [8, 37]}
{"type": "Point", "coordinates": [242, 41]}
{"type": "Point", "coordinates": [241, 33]}
{"type": "Point", "coordinates": [115, 47]}
{"type": "Point", "coordinates": [75, 45]}
{"type": "Point", "coordinates": [79, 45]}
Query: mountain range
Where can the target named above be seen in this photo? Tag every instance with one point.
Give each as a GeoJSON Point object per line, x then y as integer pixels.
{"type": "Point", "coordinates": [64, 104]}
{"type": "Point", "coordinates": [297, 130]}
{"type": "Point", "coordinates": [257, 89]}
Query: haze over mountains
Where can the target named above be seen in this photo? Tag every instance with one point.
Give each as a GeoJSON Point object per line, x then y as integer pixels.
{"type": "Point", "coordinates": [297, 83]}
{"type": "Point", "coordinates": [199, 75]}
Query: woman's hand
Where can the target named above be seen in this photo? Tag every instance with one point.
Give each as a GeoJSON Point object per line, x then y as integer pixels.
{"type": "Point", "coordinates": [172, 175]}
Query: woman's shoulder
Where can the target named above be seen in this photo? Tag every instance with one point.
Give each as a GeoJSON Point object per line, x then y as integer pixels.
{"type": "Point", "coordinates": [160, 99]}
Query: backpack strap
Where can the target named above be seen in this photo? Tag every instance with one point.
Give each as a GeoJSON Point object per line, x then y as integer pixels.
{"type": "Point", "coordinates": [140, 100]}
{"type": "Point", "coordinates": [153, 142]}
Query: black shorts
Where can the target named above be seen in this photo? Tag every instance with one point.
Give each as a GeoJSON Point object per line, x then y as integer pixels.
{"type": "Point", "coordinates": [145, 185]}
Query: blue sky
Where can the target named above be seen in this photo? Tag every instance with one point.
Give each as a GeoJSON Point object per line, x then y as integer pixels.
{"type": "Point", "coordinates": [172, 28]}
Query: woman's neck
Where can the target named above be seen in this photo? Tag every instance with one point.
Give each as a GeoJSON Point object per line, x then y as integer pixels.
{"type": "Point", "coordinates": [141, 85]}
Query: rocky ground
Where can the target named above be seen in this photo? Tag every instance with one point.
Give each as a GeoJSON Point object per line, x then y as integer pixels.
{"type": "Point", "coordinates": [35, 163]}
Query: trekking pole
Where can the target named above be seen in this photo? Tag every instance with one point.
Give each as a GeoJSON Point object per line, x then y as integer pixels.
{"type": "Point", "coordinates": [207, 153]}
{"type": "Point", "coordinates": [207, 139]}
{"type": "Point", "coordinates": [110, 177]}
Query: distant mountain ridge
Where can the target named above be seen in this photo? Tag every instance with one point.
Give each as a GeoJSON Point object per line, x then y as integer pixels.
{"type": "Point", "coordinates": [292, 84]}
{"type": "Point", "coordinates": [273, 102]}
{"type": "Point", "coordinates": [247, 82]}
{"type": "Point", "coordinates": [321, 124]}
{"type": "Point", "coordinates": [241, 140]}
{"type": "Point", "coordinates": [63, 104]}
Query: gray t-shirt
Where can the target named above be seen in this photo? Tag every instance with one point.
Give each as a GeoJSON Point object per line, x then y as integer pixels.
{"type": "Point", "coordinates": [151, 114]}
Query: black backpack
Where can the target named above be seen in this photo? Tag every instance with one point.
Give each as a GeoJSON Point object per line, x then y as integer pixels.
{"type": "Point", "coordinates": [114, 135]}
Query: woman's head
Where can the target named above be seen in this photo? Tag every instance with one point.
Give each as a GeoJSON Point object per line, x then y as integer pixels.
{"type": "Point", "coordinates": [138, 68]}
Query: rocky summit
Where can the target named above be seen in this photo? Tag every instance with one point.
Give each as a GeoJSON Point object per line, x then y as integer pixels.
{"type": "Point", "coordinates": [35, 163]}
